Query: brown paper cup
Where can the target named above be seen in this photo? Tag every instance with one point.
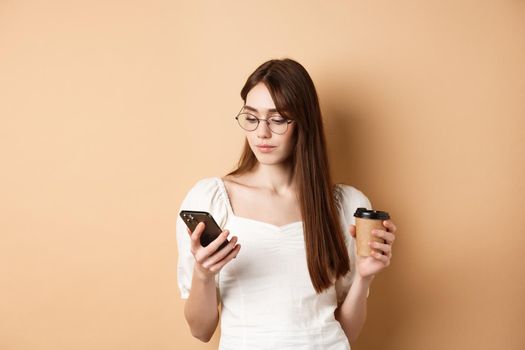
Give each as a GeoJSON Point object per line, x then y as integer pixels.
{"type": "Point", "coordinates": [364, 235]}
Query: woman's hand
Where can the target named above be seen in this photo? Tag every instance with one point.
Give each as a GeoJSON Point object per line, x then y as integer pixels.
{"type": "Point", "coordinates": [369, 266]}
{"type": "Point", "coordinates": [208, 260]}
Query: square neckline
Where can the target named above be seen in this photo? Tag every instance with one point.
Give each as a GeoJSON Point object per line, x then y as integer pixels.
{"type": "Point", "coordinates": [222, 186]}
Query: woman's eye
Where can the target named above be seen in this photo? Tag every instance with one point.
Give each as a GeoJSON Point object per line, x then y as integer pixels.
{"type": "Point", "coordinates": [278, 121]}
{"type": "Point", "coordinates": [251, 120]}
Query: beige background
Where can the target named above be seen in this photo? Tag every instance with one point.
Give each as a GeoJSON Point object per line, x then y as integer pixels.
{"type": "Point", "coordinates": [111, 110]}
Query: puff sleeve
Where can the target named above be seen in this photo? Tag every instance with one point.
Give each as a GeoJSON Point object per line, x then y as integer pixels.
{"type": "Point", "coordinates": [350, 199]}
{"type": "Point", "coordinates": [205, 195]}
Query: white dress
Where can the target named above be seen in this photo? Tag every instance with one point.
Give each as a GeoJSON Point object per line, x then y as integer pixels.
{"type": "Point", "coordinates": [268, 301]}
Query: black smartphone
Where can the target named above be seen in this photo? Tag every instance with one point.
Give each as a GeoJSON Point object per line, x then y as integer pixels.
{"type": "Point", "coordinates": [211, 230]}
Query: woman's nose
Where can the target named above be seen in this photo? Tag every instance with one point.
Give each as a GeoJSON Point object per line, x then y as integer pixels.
{"type": "Point", "coordinates": [263, 129]}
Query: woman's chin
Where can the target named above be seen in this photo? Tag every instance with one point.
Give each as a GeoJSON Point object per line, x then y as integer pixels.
{"type": "Point", "coordinates": [269, 160]}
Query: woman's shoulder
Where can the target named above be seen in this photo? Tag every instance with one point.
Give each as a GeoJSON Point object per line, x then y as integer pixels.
{"type": "Point", "coordinates": [206, 195]}
{"type": "Point", "coordinates": [348, 199]}
{"type": "Point", "coordinates": [217, 186]}
{"type": "Point", "coordinates": [351, 196]}
{"type": "Point", "coordinates": [204, 189]}
{"type": "Point", "coordinates": [205, 185]}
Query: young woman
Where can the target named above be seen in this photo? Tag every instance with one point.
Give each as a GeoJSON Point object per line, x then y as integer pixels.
{"type": "Point", "coordinates": [289, 277]}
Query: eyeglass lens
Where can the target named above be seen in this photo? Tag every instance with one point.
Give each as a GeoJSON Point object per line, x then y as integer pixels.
{"type": "Point", "coordinates": [250, 122]}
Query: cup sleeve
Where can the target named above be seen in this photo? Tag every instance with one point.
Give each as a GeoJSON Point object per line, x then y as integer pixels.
{"type": "Point", "coordinates": [352, 199]}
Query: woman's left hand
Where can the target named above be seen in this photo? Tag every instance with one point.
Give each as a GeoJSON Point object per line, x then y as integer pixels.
{"type": "Point", "coordinates": [369, 266]}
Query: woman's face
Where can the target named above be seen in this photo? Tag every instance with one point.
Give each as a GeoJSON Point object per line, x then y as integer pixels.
{"type": "Point", "coordinates": [259, 103]}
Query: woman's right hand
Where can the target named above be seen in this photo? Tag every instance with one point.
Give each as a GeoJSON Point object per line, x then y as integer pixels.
{"type": "Point", "coordinates": [208, 260]}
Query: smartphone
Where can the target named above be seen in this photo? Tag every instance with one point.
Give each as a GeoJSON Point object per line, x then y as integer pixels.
{"type": "Point", "coordinates": [211, 230]}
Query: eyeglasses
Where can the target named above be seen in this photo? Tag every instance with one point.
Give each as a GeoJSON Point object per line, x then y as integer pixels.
{"type": "Point", "coordinates": [250, 122]}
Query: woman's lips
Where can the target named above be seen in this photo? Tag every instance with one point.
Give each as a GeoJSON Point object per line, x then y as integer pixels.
{"type": "Point", "coordinates": [265, 149]}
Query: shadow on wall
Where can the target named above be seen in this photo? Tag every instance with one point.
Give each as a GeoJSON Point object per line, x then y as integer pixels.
{"type": "Point", "coordinates": [353, 113]}
{"type": "Point", "coordinates": [352, 119]}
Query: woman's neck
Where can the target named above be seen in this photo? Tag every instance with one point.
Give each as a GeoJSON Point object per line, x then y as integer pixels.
{"type": "Point", "coordinates": [276, 177]}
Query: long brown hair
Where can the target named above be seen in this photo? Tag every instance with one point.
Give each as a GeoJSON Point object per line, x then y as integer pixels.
{"type": "Point", "coordinates": [295, 97]}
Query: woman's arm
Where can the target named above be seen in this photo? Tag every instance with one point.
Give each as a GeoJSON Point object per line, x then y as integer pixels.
{"type": "Point", "coordinates": [201, 309]}
{"type": "Point", "coordinates": [352, 312]}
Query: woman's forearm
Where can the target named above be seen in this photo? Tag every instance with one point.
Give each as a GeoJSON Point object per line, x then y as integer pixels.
{"type": "Point", "coordinates": [201, 309]}
{"type": "Point", "coordinates": [352, 312]}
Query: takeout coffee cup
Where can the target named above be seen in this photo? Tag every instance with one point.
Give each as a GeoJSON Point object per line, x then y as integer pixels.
{"type": "Point", "coordinates": [367, 220]}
